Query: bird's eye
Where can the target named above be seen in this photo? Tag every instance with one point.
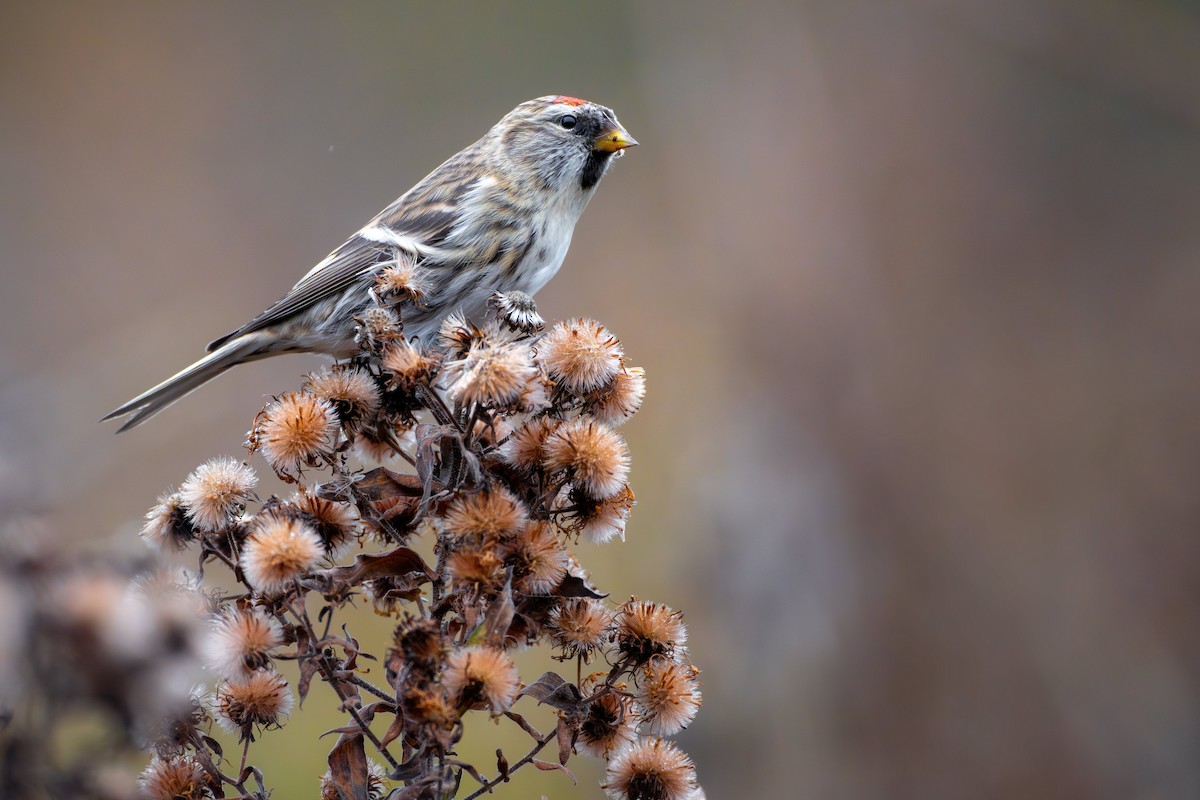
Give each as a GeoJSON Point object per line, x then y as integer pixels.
{"type": "Point", "coordinates": [567, 121]}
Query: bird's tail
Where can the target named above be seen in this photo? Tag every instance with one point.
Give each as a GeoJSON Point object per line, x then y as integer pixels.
{"type": "Point", "coordinates": [149, 403]}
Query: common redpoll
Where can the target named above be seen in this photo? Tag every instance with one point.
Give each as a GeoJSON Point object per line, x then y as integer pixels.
{"type": "Point", "coordinates": [497, 216]}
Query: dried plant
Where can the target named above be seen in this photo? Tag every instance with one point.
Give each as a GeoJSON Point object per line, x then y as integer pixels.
{"type": "Point", "coordinates": [512, 456]}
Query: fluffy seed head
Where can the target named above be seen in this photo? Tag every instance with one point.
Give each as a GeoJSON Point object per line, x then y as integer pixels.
{"type": "Point", "coordinates": [351, 391]}
{"type": "Point", "coordinates": [538, 559]}
{"type": "Point", "coordinates": [167, 526]}
{"type": "Point", "coordinates": [609, 726]}
{"type": "Point", "coordinates": [651, 769]}
{"type": "Point", "coordinates": [179, 778]}
{"type": "Point", "coordinates": [580, 626]}
{"type": "Point", "coordinates": [477, 567]}
{"type": "Point", "coordinates": [594, 454]}
{"type": "Point", "coordinates": [456, 334]}
{"type": "Point", "coordinates": [580, 354]}
{"type": "Point", "coordinates": [216, 493]}
{"type": "Point", "coordinates": [418, 641]}
{"type": "Point", "coordinates": [621, 399]}
{"type": "Point", "coordinates": [669, 697]}
{"type": "Point", "coordinates": [262, 698]}
{"type": "Point", "coordinates": [493, 373]}
{"type": "Point", "coordinates": [646, 630]}
{"type": "Point", "coordinates": [406, 365]}
{"type": "Point", "coordinates": [526, 447]}
{"type": "Point", "coordinates": [279, 551]}
{"type": "Point", "coordinates": [334, 523]}
{"type": "Point", "coordinates": [516, 310]}
{"type": "Point", "coordinates": [376, 330]}
{"type": "Point", "coordinates": [479, 675]}
{"type": "Point", "coordinates": [241, 641]}
{"type": "Point", "coordinates": [491, 514]}
{"type": "Point", "coordinates": [400, 283]}
{"type": "Point", "coordinates": [296, 430]}
{"type": "Point", "coordinates": [599, 521]}
{"type": "Point", "coordinates": [427, 708]}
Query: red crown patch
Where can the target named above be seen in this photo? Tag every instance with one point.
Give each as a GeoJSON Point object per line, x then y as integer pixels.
{"type": "Point", "coordinates": [571, 101]}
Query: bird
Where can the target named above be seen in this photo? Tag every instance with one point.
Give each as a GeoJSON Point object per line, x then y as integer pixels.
{"type": "Point", "coordinates": [496, 216]}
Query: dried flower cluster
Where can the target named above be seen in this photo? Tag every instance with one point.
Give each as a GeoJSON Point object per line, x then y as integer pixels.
{"type": "Point", "coordinates": [513, 453]}
{"type": "Point", "coordinates": [100, 644]}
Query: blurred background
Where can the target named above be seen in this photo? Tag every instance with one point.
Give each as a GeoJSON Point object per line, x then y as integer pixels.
{"type": "Point", "coordinates": [915, 287]}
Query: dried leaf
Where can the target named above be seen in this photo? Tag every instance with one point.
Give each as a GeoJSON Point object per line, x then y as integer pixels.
{"type": "Point", "coordinates": [499, 615]}
{"type": "Point", "coordinates": [566, 739]}
{"type": "Point", "coordinates": [524, 724]}
{"type": "Point", "coordinates": [308, 668]}
{"type": "Point", "coordinates": [348, 768]}
{"type": "Point", "coordinates": [395, 563]}
{"type": "Point", "coordinates": [502, 765]}
{"type": "Point", "coordinates": [550, 766]}
{"type": "Point", "coordinates": [573, 586]}
{"type": "Point", "coordinates": [213, 745]}
{"type": "Point", "coordinates": [411, 769]}
{"type": "Point", "coordinates": [553, 690]}
{"type": "Point", "coordinates": [394, 730]}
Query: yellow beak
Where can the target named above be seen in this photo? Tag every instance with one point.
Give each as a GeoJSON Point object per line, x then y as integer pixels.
{"type": "Point", "coordinates": [616, 139]}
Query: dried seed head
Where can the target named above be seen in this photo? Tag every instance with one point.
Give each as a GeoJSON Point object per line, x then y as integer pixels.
{"type": "Point", "coordinates": [279, 551]}
{"type": "Point", "coordinates": [167, 527]}
{"type": "Point", "coordinates": [535, 397]}
{"type": "Point", "coordinates": [351, 391]}
{"type": "Point", "coordinates": [179, 778]}
{"type": "Point", "coordinates": [538, 559]}
{"type": "Point", "coordinates": [418, 641]}
{"type": "Point", "coordinates": [427, 708]}
{"type": "Point", "coordinates": [216, 493]}
{"type": "Point", "coordinates": [260, 699]}
{"type": "Point", "coordinates": [669, 697]}
{"type": "Point", "coordinates": [389, 592]}
{"type": "Point", "coordinates": [599, 521]}
{"type": "Point", "coordinates": [580, 354]}
{"type": "Point", "coordinates": [579, 627]}
{"type": "Point", "coordinates": [295, 430]}
{"type": "Point", "coordinates": [594, 455]}
{"type": "Point", "coordinates": [335, 524]}
{"type": "Point", "coordinates": [491, 514]}
{"type": "Point", "coordinates": [480, 675]}
{"type": "Point", "coordinates": [399, 283]}
{"type": "Point", "coordinates": [377, 786]}
{"type": "Point", "coordinates": [517, 310]}
{"type": "Point", "coordinates": [377, 329]}
{"type": "Point", "coordinates": [608, 726]}
{"type": "Point", "coordinates": [182, 723]}
{"type": "Point", "coordinates": [456, 334]}
{"type": "Point", "coordinates": [241, 641]}
{"type": "Point", "coordinates": [526, 447]}
{"type": "Point", "coordinates": [493, 373]}
{"type": "Point", "coordinates": [646, 630]}
{"type": "Point", "coordinates": [407, 365]}
{"type": "Point", "coordinates": [621, 399]}
{"type": "Point", "coordinates": [651, 769]}
{"type": "Point", "coordinates": [476, 567]}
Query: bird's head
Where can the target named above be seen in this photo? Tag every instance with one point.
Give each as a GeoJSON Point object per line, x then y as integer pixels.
{"type": "Point", "coordinates": [566, 142]}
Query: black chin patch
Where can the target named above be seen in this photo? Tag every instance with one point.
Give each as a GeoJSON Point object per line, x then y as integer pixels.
{"type": "Point", "coordinates": [593, 168]}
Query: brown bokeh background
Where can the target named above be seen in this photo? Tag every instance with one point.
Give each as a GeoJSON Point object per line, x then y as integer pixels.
{"type": "Point", "coordinates": [916, 289]}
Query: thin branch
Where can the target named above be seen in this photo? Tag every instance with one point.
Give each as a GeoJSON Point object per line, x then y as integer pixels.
{"type": "Point", "coordinates": [537, 748]}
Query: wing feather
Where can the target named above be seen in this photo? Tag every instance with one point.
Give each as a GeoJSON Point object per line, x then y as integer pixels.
{"type": "Point", "coordinates": [419, 224]}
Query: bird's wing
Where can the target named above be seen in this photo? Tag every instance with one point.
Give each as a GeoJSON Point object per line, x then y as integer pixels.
{"type": "Point", "coordinates": [417, 224]}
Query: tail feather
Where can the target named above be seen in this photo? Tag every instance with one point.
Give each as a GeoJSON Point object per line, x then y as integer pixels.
{"type": "Point", "coordinates": [149, 403]}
